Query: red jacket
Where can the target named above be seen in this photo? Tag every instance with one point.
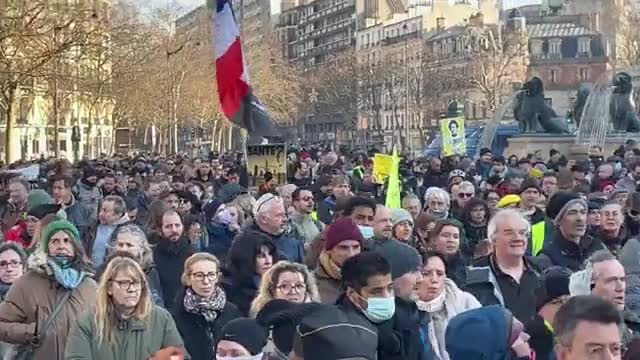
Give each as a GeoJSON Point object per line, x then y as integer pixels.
{"type": "Point", "coordinates": [18, 234]}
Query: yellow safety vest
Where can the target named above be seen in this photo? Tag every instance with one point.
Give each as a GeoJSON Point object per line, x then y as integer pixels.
{"type": "Point", "coordinates": [314, 215]}
{"type": "Point", "coordinates": [537, 237]}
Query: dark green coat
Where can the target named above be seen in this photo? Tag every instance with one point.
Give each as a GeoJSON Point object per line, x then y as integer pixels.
{"type": "Point", "coordinates": [139, 339]}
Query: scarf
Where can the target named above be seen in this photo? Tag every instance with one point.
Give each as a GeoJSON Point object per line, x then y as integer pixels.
{"type": "Point", "coordinates": [435, 305]}
{"type": "Point", "coordinates": [330, 267]}
{"type": "Point", "coordinates": [205, 306]}
{"type": "Point", "coordinates": [67, 277]}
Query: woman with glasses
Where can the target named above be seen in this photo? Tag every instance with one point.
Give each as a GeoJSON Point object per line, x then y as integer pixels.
{"type": "Point", "coordinates": [492, 198]}
{"type": "Point", "coordinates": [202, 308]}
{"type": "Point", "coordinates": [124, 324]}
{"type": "Point", "coordinates": [441, 299]}
{"type": "Point", "coordinates": [12, 265]}
{"type": "Point", "coordinates": [286, 281]}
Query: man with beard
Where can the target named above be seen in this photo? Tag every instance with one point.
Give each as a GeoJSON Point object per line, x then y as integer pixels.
{"type": "Point", "coordinates": [302, 226]}
{"type": "Point", "coordinates": [169, 255]}
{"type": "Point", "coordinates": [152, 190]}
{"type": "Point", "coordinates": [270, 219]}
{"type": "Point", "coordinates": [437, 202]}
{"type": "Point", "coordinates": [570, 245]}
{"type": "Point", "coordinates": [17, 204]}
{"type": "Point", "coordinates": [77, 213]}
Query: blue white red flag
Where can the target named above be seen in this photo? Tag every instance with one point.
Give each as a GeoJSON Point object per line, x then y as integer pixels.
{"type": "Point", "coordinates": [238, 103]}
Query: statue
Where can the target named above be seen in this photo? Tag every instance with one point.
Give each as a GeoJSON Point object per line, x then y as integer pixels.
{"type": "Point", "coordinates": [578, 107]}
{"type": "Point", "coordinates": [533, 114]}
{"type": "Point", "coordinates": [622, 108]}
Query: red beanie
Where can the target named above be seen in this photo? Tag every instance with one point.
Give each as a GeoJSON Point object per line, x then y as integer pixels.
{"type": "Point", "coordinates": [341, 230]}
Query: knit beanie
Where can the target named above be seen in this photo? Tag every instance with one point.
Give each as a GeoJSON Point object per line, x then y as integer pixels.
{"type": "Point", "coordinates": [38, 197]}
{"type": "Point", "coordinates": [485, 151]}
{"type": "Point", "coordinates": [246, 332]}
{"type": "Point", "coordinates": [341, 230]}
{"type": "Point", "coordinates": [402, 258]}
{"type": "Point", "coordinates": [400, 215]}
{"type": "Point", "coordinates": [54, 227]}
{"type": "Point", "coordinates": [558, 201]}
{"type": "Point", "coordinates": [553, 283]}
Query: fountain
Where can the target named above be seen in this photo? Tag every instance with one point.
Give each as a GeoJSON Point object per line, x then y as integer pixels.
{"type": "Point", "coordinates": [595, 118]}
{"type": "Point", "coordinates": [490, 129]}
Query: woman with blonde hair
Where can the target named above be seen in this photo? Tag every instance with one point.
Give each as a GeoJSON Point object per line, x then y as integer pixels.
{"type": "Point", "coordinates": [286, 281]}
{"type": "Point", "coordinates": [202, 308]}
{"type": "Point", "coordinates": [124, 324]}
{"type": "Point", "coordinates": [131, 241]}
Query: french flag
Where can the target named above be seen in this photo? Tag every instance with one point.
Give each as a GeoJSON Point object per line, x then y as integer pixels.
{"type": "Point", "coordinates": [239, 104]}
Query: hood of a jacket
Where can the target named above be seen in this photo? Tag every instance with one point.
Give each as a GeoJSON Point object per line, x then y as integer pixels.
{"type": "Point", "coordinates": [463, 342]}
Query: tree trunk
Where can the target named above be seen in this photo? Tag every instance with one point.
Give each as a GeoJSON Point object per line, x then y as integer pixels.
{"type": "Point", "coordinates": [9, 134]}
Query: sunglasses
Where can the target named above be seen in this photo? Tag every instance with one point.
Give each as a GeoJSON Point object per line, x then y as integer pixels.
{"type": "Point", "coordinates": [465, 195]}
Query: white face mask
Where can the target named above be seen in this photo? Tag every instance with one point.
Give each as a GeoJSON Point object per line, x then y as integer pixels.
{"type": "Point", "coordinates": [252, 357]}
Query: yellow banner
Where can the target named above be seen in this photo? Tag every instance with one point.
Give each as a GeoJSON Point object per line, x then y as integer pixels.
{"type": "Point", "coordinates": [382, 166]}
{"type": "Point", "coordinates": [393, 191]}
{"type": "Point", "coordinates": [453, 140]}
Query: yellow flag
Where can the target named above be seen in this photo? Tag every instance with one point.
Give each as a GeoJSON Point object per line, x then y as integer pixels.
{"type": "Point", "coordinates": [393, 190]}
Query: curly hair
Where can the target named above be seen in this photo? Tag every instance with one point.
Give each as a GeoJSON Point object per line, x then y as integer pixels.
{"type": "Point", "coordinates": [270, 278]}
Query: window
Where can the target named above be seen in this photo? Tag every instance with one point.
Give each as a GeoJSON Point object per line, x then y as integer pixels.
{"type": "Point", "coordinates": [583, 74]}
{"type": "Point", "coordinates": [584, 47]}
{"type": "Point", "coordinates": [555, 48]}
{"type": "Point", "coordinates": [536, 49]}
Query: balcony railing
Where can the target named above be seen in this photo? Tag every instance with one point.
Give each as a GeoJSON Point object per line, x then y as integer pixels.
{"type": "Point", "coordinates": [338, 6]}
{"type": "Point", "coordinates": [328, 29]}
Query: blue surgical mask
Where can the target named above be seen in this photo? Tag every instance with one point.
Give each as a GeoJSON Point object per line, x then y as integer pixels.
{"type": "Point", "coordinates": [380, 309]}
{"type": "Point", "coordinates": [366, 231]}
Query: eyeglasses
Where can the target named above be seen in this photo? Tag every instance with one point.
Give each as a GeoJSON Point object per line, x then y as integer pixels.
{"type": "Point", "coordinates": [200, 276]}
{"type": "Point", "coordinates": [465, 195]}
{"type": "Point", "coordinates": [287, 288]}
{"type": "Point", "coordinates": [127, 284]}
{"type": "Point", "coordinates": [11, 263]}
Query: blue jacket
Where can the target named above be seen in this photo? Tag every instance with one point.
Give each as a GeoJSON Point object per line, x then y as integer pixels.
{"type": "Point", "coordinates": [220, 239]}
{"type": "Point", "coordinates": [290, 249]}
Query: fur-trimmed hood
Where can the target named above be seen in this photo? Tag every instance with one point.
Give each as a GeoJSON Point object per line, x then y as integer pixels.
{"type": "Point", "coordinates": [37, 263]}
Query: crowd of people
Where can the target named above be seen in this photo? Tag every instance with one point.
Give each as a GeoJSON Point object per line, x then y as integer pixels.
{"type": "Point", "coordinates": [156, 257]}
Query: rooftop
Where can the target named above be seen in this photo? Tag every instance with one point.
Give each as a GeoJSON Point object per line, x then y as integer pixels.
{"type": "Point", "coordinates": [554, 30]}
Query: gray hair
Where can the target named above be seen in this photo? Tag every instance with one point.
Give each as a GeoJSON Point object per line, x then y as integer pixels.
{"type": "Point", "coordinates": [466, 185]}
{"type": "Point", "coordinates": [410, 197]}
{"type": "Point", "coordinates": [502, 215]}
{"type": "Point", "coordinates": [438, 193]}
{"type": "Point", "coordinates": [119, 206]}
{"type": "Point", "coordinates": [264, 203]}
{"type": "Point", "coordinates": [134, 231]}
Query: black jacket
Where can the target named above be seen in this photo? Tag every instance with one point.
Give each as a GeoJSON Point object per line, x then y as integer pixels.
{"type": "Point", "coordinates": [199, 336]}
{"type": "Point", "coordinates": [408, 323]}
{"type": "Point", "coordinates": [565, 253]}
{"type": "Point", "coordinates": [541, 339]}
{"type": "Point", "coordinates": [241, 292]}
{"type": "Point", "coordinates": [169, 258]}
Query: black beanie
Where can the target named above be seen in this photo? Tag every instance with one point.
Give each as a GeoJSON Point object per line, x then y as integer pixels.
{"type": "Point", "coordinates": [484, 151]}
{"type": "Point", "coordinates": [246, 332]}
{"type": "Point", "coordinates": [557, 202]}
{"type": "Point", "coordinates": [553, 283]}
{"type": "Point", "coordinates": [89, 171]}
{"type": "Point", "coordinates": [529, 183]}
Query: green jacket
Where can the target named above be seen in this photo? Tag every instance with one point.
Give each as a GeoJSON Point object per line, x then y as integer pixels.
{"type": "Point", "coordinates": [139, 340]}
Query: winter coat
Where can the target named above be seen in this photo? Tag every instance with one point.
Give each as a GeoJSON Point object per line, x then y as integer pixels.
{"type": "Point", "coordinates": [407, 324]}
{"type": "Point", "coordinates": [153, 279]}
{"type": "Point", "coordinates": [329, 288]}
{"type": "Point", "coordinates": [455, 302]}
{"type": "Point", "coordinates": [628, 183]}
{"type": "Point", "coordinates": [89, 196]}
{"type": "Point", "coordinates": [326, 209]}
{"type": "Point", "coordinates": [169, 258]}
{"type": "Point", "coordinates": [132, 339]}
{"type": "Point", "coordinates": [18, 234]}
{"type": "Point", "coordinates": [79, 215]}
{"type": "Point", "coordinates": [562, 252]}
{"type": "Point", "coordinates": [241, 292]}
{"type": "Point", "coordinates": [289, 249]}
{"type": "Point", "coordinates": [31, 300]}
{"type": "Point", "coordinates": [629, 256]}
{"type": "Point", "coordinates": [457, 269]}
{"type": "Point", "coordinates": [90, 236]}
{"type": "Point", "coordinates": [200, 337]}
{"type": "Point", "coordinates": [472, 236]}
{"type": "Point", "coordinates": [220, 239]}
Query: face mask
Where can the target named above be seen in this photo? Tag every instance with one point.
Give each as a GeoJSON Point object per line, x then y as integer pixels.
{"type": "Point", "coordinates": [251, 357]}
{"type": "Point", "coordinates": [366, 231]}
{"type": "Point", "coordinates": [440, 214]}
{"type": "Point", "coordinates": [380, 309]}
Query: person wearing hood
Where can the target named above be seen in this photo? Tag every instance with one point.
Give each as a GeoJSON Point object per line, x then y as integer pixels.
{"type": "Point", "coordinates": [343, 241]}
{"type": "Point", "coordinates": [77, 213]}
{"type": "Point", "coordinates": [632, 218]}
{"type": "Point", "coordinates": [402, 229]}
{"type": "Point", "coordinates": [58, 277]}
{"type": "Point", "coordinates": [508, 340]}
{"type": "Point", "coordinates": [594, 217]}
{"type": "Point", "coordinates": [485, 163]}
{"type": "Point", "coordinates": [226, 224]}
{"type": "Point", "coordinates": [437, 202]}
{"type": "Point", "coordinates": [171, 250]}
{"type": "Point", "coordinates": [39, 203]}
{"type": "Point", "coordinates": [440, 299]}
{"type": "Point", "coordinates": [570, 245]}
{"type": "Point", "coordinates": [113, 214]}
{"type": "Point", "coordinates": [271, 221]}
{"type": "Point", "coordinates": [88, 191]}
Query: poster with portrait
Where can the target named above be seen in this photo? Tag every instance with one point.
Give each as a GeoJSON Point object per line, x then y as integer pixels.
{"type": "Point", "coordinates": [263, 158]}
{"type": "Point", "coordinates": [453, 140]}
